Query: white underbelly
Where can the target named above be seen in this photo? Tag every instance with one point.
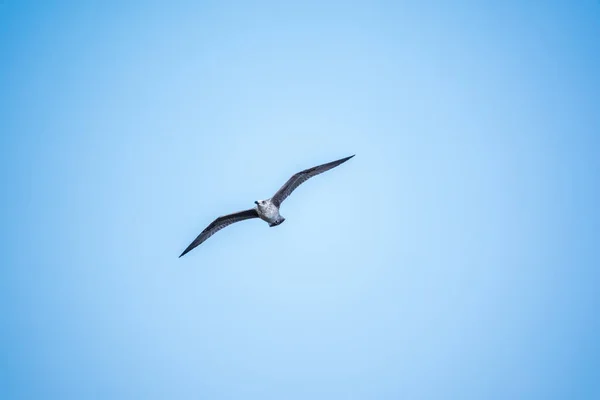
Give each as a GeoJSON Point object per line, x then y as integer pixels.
{"type": "Point", "coordinates": [269, 214]}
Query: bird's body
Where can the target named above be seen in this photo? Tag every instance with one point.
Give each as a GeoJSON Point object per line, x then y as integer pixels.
{"type": "Point", "coordinates": [267, 210]}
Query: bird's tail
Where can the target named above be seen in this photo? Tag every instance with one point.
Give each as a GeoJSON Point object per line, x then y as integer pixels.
{"type": "Point", "coordinates": [278, 222]}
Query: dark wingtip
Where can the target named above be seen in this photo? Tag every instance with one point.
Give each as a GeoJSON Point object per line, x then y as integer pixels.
{"type": "Point", "coordinates": [184, 253]}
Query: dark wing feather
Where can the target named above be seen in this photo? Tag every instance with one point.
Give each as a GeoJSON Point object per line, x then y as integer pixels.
{"type": "Point", "coordinates": [219, 224]}
{"type": "Point", "coordinates": [301, 177]}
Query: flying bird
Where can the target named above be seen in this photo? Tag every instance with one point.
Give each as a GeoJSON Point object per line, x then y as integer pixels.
{"type": "Point", "coordinates": [267, 210]}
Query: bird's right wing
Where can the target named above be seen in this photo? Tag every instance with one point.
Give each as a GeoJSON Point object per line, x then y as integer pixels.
{"type": "Point", "coordinates": [301, 177]}
{"type": "Point", "coordinates": [219, 224]}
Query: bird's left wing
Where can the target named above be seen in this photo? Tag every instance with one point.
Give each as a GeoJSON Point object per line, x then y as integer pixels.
{"type": "Point", "coordinates": [219, 224]}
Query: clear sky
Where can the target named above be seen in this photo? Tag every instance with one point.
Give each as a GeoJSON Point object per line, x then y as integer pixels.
{"type": "Point", "coordinates": [456, 256]}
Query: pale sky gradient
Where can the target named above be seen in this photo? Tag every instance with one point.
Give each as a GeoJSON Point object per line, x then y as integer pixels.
{"type": "Point", "coordinates": [455, 257]}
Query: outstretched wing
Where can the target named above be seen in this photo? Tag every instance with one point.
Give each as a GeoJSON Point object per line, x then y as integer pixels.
{"type": "Point", "coordinates": [302, 176]}
{"type": "Point", "coordinates": [219, 224]}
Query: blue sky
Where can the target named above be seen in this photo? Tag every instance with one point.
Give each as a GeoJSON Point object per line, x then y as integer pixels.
{"type": "Point", "coordinates": [456, 256]}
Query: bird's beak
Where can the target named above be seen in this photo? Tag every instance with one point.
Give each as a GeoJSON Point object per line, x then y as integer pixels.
{"type": "Point", "coordinates": [256, 202]}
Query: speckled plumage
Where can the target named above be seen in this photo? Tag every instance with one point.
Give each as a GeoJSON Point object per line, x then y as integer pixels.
{"type": "Point", "coordinates": [267, 210]}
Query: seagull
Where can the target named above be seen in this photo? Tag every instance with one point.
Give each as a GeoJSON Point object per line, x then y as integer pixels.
{"type": "Point", "coordinates": [267, 210]}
